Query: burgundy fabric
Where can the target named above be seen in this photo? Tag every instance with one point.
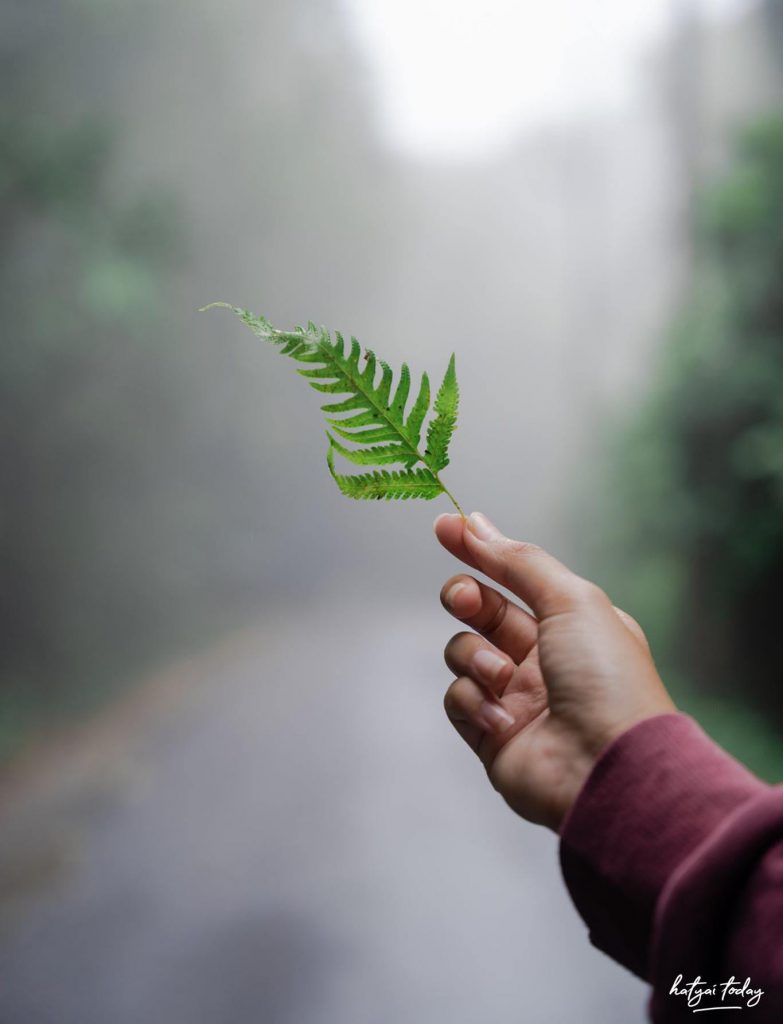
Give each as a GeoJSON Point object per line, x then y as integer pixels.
{"type": "Point", "coordinates": [673, 855]}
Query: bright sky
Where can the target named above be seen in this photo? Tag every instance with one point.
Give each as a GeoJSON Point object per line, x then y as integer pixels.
{"type": "Point", "coordinates": [459, 77]}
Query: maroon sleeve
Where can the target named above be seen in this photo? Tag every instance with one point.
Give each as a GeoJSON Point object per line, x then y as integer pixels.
{"type": "Point", "coordinates": [673, 855]}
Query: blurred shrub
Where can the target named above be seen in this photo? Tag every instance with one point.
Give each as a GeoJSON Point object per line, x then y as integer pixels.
{"type": "Point", "coordinates": [694, 529]}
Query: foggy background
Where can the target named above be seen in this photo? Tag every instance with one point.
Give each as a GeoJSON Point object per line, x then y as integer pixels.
{"type": "Point", "coordinates": [228, 791]}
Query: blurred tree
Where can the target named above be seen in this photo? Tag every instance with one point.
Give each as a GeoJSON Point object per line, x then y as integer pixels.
{"type": "Point", "coordinates": [697, 506]}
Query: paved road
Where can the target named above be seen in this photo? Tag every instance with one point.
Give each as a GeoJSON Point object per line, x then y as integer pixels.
{"type": "Point", "coordinates": [291, 835]}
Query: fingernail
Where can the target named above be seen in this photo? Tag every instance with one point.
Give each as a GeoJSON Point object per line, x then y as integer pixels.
{"type": "Point", "coordinates": [482, 527]}
{"type": "Point", "coordinates": [488, 664]}
{"type": "Point", "coordinates": [494, 717]}
{"type": "Point", "coordinates": [452, 592]}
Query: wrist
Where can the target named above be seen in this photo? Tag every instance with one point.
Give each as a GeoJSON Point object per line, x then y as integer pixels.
{"type": "Point", "coordinates": [584, 749]}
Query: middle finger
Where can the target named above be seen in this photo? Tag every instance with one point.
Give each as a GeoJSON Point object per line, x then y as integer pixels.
{"type": "Point", "coordinates": [484, 609]}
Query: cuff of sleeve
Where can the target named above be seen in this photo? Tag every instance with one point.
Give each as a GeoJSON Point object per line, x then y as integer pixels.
{"type": "Point", "coordinates": [654, 795]}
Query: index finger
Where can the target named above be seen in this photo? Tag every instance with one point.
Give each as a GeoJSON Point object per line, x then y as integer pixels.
{"type": "Point", "coordinates": [540, 580]}
{"type": "Point", "coordinates": [449, 529]}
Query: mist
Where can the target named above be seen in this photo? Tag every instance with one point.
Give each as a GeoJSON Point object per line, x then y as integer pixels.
{"type": "Point", "coordinates": [229, 791]}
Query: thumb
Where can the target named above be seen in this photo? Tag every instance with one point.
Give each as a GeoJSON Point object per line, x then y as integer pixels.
{"type": "Point", "coordinates": [540, 580]}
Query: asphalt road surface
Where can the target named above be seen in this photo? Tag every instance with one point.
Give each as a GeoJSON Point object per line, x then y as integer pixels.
{"type": "Point", "coordinates": [284, 830]}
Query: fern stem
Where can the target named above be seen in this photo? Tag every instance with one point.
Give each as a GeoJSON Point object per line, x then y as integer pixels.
{"type": "Point", "coordinates": [448, 494]}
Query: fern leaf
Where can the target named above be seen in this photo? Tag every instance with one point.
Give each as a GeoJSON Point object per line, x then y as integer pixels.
{"type": "Point", "coordinates": [420, 407]}
{"type": "Point", "coordinates": [400, 483]}
{"type": "Point", "coordinates": [377, 455]}
{"type": "Point", "coordinates": [444, 423]}
{"type": "Point", "coordinates": [378, 421]}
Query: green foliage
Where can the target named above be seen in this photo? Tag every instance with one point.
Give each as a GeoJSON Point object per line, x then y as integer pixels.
{"type": "Point", "coordinates": [407, 483]}
{"type": "Point", "coordinates": [378, 420]}
{"type": "Point", "coordinates": [445, 422]}
{"type": "Point", "coordinates": [695, 525]}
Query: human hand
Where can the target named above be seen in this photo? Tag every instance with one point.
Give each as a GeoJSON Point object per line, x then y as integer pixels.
{"type": "Point", "coordinates": [539, 696]}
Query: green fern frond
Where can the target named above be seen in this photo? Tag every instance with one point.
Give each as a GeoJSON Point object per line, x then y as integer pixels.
{"type": "Point", "coordinates": [378, 422]}
{"type": "Point", "coordinates": [377, 455]}
{"type": "Point", "coordinates": [398, 483]}
{"type": "Point", "coordinates": [444, 424]}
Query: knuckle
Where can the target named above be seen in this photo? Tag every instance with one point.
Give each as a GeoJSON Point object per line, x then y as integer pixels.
{"type": "Point", "coordinates": [509, 556]}
{"type": "Point", "coordinates": [629, 620]}
{"type": "Point", "coordinates": [522, 549]}
{"type": "Point", "coordinates": [588, 592]}
{"type": "Point", "coordinates": [495, 617]}
{"type": "Point", "coordinates": [631, 623]}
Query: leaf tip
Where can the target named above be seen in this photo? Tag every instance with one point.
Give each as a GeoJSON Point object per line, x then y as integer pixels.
{"type": "Point", "coordinates": [216, 305]}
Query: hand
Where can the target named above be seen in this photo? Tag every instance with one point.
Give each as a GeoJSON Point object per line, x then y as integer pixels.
{"type": "Point", "coordinates": [541, 695]}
